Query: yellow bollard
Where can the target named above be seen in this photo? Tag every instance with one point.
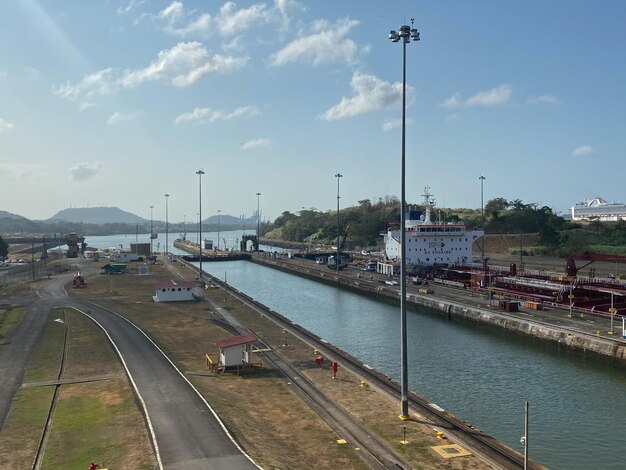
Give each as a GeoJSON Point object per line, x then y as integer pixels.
{"type": "Point", "coordinates": [439, 435]}
{"type": "Point", "coordinates": [362, 383]}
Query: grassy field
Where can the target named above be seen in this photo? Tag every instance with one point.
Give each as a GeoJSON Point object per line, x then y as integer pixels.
{"type": "Point", "coordinates": [9, 321]}
{"type": "Point", "coordinates": [272, 423]}
{"type": "Point", "coordinates": [94, 421]}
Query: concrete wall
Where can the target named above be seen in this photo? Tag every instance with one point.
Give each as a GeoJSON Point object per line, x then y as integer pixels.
{"type": "Point", "coordinates": [576, 340]}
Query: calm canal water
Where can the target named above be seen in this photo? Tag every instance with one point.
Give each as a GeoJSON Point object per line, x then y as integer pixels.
{"type": "Point", "coordinates": [577, 404]}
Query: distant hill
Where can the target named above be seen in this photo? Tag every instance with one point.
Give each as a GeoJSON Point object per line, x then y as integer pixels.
{"type": "Point", "coordinates": [96, 215]}
{"type": "Point", "coordinates": [9, 215]}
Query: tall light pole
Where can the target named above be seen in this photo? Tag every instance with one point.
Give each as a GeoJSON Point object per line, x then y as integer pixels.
{"type": "Point", "coordinates": [258, 221]}
{"type": "Point", "coordinates": [338, 176]}
{"type": "Point", "coordinates": [405, 35]}
{"type": "Point", "coordinates": [151, 230]}
{"type": "Point", "coordinates": [167, 246]}
{"type": "Point", "coordinates": [200, 173]}
{"type": "Point", "coordinates": [218, 228]}
{"type": "Point", "coordinates": [482, 222]}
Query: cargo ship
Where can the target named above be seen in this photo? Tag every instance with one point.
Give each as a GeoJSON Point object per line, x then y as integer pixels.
{"type": "Point", "coordinates": [429, 243]}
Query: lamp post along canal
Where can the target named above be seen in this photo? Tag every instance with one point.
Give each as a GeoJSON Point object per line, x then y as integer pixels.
{"type": "Point", "coordinates": [405, 35]}
{"type": "Point", "coordinates": [258, 221]}
{"type": "Point", "coordinates": [482, 222]}
{"type": "Point", "coordinates": [218, 229]}
{"type": "Point", "coordinates": [151, 231]}
{"type": "Point", "coordinates": [167, 246]}
{"type": "Point", "coordinates": [200, 173]}
{"type": "Point", "coordinates": [338, 176]}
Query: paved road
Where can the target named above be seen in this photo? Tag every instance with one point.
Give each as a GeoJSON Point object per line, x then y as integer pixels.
{"type": "Point", "coordinates": [187, 433]}
{"type": "Point", "coordinates": [16, 351]}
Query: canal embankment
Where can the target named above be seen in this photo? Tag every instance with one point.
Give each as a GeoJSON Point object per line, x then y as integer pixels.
{"type": "Point", "coordinates": [576, 333]}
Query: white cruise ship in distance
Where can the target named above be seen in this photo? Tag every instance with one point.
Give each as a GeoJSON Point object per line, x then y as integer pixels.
{"type": "Point", "coordinates": [598, 208]}
{"type": "Point", "coordinates": [429, 242]}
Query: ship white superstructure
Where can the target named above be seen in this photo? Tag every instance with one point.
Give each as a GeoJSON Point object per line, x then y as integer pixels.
{"type": "Point", "coordinates": [430, 242]}
{"type": "Point", "coordinates": [598, 209]}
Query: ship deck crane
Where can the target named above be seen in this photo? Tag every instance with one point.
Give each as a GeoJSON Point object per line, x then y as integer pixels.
{"type": "Point", "coordinates": [572, 269]}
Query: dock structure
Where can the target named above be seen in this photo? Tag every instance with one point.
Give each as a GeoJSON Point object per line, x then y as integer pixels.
{"type": "Point", "coordinates": [212, 255]}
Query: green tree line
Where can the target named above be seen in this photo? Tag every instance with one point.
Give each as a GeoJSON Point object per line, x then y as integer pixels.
{"type": "Point", "coordinates": [363, 224]}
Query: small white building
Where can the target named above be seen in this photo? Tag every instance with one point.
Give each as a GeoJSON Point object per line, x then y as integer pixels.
{"type": "Point", "coordinates": [236, 351]}
{"type": "Point", "coordinates": [124, 256]}
{"type": "Point", "coordinates": [173, 290]}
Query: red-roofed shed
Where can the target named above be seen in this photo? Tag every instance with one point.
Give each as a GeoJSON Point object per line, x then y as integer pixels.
{"type": "Point", "coordinates": [235, 353]}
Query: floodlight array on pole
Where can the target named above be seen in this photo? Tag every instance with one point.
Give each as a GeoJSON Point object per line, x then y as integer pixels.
{"type": "Point", "coordinates": [406, 34]}
{"type": "Point", "coordinates": [200, 173]}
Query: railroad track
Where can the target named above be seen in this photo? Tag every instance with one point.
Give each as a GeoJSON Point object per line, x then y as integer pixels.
{"type": "Point", "coordinates": [45, 435]}
{"type": "Point", "coordinates": [376, 453]}
{"type": "Point", "coordinates": [481, 444]}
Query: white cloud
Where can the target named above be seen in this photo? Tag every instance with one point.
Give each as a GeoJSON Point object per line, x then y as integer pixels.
{"type": "Point", "coordinates": [370, 94]}
{"type": "Point", "coordinates": [392, 124]}
{"type": "Point", "coordinates": [98, 83]}
{"type": "Point", "coordinates": [327, 43]}
{"type": "Point", "coordinates": [205, 115]}
{"type": "Point", "coordinates": [257, 143]}
{"type": "Point", "coordinates": [494, 97]}
{"type": "Point", "coordinates": [229, 21]}
{"type": "Point", "coordinates": [21, 171]}
{"type": "Point", "coordinates": [118, 117]}
{"type": "Point", "coordinates": [583, 151]}
{"type": "Point", "coordinates": [31, 73]}
{"type": "Point", "coordinates": [544, 99]}
{"type": "Point", "coordinates": [84, 171]}
{"type": "Point", "coordinates": [123, 10]}
{"type": "Point", "coordinates": [86, 105]}
{"type": "Point", "coordinates": [182, 65]}
{"type": "Point", "coordinates": [173, 12]}
{"type": "Point", "coordinates": [6, 126]}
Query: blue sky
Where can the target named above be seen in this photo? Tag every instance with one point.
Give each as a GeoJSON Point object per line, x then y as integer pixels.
{"type": "Point", "coordinates": [115, 103]}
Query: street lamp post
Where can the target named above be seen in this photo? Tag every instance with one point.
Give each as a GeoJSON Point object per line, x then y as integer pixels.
{"type": "Point", "coordinates": [218, 229]}
{"type": "Point", "coordinates": [258, 221]}
{"type": "Point", "coordinates": [482, 222]}
{"type": "Point", "coordinates": [406, 34]}
{"type": "Point", "coordinates": [338, 176]}
{"type": "Point", "coordinates": [612, 311]}
{"type": "Point", "coordinates": [151, 230]}
{"type": "Point", "coordinates": [200, 173]}
{"type": "Point", "coordinates": [167, 246]}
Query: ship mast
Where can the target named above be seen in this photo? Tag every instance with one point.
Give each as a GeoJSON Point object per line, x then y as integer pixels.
{"type": "Point", "coordinates": [429, 203]}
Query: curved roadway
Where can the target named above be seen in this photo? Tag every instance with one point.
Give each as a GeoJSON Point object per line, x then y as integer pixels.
{"type": "Point", "coordinates": [186, 433]}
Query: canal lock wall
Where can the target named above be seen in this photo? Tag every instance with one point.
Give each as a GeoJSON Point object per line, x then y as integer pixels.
{"type": "Point", "coordinates": [577, 340]}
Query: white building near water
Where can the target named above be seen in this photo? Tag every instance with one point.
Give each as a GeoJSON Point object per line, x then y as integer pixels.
{"type": "Point", "coordinates": [173, 290]}
{"type": "Point", "coordinates": [598, 209]}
